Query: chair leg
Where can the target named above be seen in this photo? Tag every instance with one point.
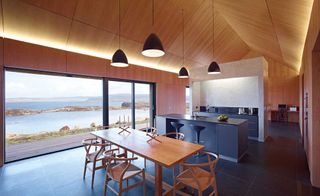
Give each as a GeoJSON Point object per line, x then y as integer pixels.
{"type": "Point", "coordinates": [105, 186]}
{"type": "Point", "coordinates": [199, 193]}
{"type": "Point", "coordinates": [93, 174]}
{"type": "Point", "coordinates": [174, 182]}
{"type": "Point", "coordinates": [215, 187]}
{"type": "Point", "coordinates": [144, 183]}
{"type": "Point", "coordinates": [145, 163]}
{"type": "Point", "coordinates": [120, 188]}
{"type": "Point", "coordinates": [85, 168]}
{"type": "Point", "coordinates": [92, 180]}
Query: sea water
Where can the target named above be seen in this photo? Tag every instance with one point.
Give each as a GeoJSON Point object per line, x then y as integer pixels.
{"type": "Point", "coordinates": [54, 121]}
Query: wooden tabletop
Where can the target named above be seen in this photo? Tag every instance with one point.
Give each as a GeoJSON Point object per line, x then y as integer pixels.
{"type": "Point", "coordinates": [167, 153]}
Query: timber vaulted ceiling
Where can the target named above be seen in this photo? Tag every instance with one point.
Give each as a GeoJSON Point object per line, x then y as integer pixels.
{"type": "Point", "coordinates": [272, 28]}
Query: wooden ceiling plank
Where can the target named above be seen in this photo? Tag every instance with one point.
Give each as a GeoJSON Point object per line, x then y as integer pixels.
{"type": "Point", "coordinates": [26, 22]}
{"type": "Point", "coordinates": [252, 23]}
{"type": "Point", "coordinates": [291, 22]}
{"type": "Point", "coordinates": [61, 7]}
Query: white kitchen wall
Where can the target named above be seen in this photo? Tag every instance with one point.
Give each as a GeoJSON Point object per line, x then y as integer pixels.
{"type": "Point", "coordinates": [235, 92]}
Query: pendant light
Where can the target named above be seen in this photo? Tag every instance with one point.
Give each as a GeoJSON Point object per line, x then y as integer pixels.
{"type": "Point", "coordinates": [213, 67]}
{"type": "Point", "coordinates": [183, 73]}
{"type": "Point", "coordinates": [119, 58]}
{"type": "Point", "coordinates": [152, 46]}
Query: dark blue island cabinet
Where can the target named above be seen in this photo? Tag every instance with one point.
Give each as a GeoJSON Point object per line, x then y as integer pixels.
{"type": "Point", "coordinates": [228, 139]}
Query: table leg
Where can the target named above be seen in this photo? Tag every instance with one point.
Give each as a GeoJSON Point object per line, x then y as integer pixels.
{"type": "Point", "coordinates": [158, 179]}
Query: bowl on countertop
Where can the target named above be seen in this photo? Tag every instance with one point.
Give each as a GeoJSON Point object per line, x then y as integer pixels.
{"type": "Point", "coordinates": [223, 118]}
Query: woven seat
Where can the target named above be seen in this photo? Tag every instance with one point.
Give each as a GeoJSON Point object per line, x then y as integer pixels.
{"type": "Point", "coordinates": [203, 176]}
{"type": "Point", "coordinates": [118, 169]}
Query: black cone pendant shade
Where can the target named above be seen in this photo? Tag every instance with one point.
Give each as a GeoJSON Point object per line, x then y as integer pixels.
{"type": "Point", "coordinates": [153, 47]}
{"type": "Point", "coordinates": [119, 59]}
{"type": "Point", "coordinates": [183, 73]}
{"type": "Point", "coordinates": [214, 68]}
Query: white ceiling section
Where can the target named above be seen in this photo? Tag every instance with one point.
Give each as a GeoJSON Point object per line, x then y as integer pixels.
{"type": "Point", "coordinates": [273, 28]}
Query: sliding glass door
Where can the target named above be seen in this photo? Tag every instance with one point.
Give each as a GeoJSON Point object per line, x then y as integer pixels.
{"type": "Point", "coordinates": [143, 102]}
{"type": "Point", "coordinates": [130, 102]}
{"type": "Point", "coordinates": [46, 113]}
{"type": "Point", "coordinates": [188, 100]}
{"type": "Point", "coordinates": [120, 102]}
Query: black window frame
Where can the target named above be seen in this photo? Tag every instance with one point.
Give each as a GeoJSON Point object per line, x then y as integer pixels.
{"type": "Point", "coordinates": [152, 99]}
{"type": "Point", "coordinates": [105, 97]}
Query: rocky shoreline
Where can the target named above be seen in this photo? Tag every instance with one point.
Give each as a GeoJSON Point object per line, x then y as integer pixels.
{"type": "Point", "coordinates": [23, 112]}
{"type": "Point", "coordinates": [12, 139]}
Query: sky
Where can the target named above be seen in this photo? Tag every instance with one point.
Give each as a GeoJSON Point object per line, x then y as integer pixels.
{"type": "Point", "coordinates": [27, 85]}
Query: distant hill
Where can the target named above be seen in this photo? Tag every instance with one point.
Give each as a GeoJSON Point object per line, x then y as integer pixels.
{"type": "Point", "coordinates": [53, 99]}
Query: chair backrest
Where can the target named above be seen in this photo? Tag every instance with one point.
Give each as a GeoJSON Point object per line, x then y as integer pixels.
{"type": "Point", "coordinates": [90, 143]}
{"type": "Point", "coordinates": [212, 161]}
{"type": "Point", "coordinates": [176, 135]}
{"type": "Point", "coordinates": [110, 157]}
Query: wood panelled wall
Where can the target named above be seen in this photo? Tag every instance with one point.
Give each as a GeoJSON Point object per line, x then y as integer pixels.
{"type": "Point", "coordinates": [309, 84]}
{"type": "Point", "coordinates": [283, 85]}
{"type": "Point", "coordinates": [170, 90]}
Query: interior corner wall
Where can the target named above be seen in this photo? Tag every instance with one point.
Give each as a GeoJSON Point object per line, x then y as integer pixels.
{"type": "Point", "coordinates": [170, 90]}
{"type": "Point", "coordinates": [309, 93]}
{"type": "Point", "coordinates": [283, 85]}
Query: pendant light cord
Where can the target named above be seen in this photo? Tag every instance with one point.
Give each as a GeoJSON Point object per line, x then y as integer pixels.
{"type": "Point", "coordinates": [152, 13]}
{"type": "Point", "coordinates": [119, 22]}
{"type": "Point", "coordinates": [212, 4]}
{"type": "Point", "coordinates": [182, 37]}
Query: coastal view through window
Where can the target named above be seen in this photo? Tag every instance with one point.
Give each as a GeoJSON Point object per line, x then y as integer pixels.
{"type": "Point", "coordinates": [120, 103]}
{"type": "Point", "coordinates": [187, 100]}
{"type": "Point", "coordinates": [46, 113]}
{"type": "Point", "coordinates": [142, 105]}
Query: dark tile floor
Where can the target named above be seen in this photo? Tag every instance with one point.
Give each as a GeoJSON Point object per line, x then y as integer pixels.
{"type": "Point", "coordinates": [275, 167]}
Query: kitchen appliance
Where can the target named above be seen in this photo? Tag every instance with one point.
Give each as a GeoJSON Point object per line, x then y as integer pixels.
{"type": "Point", "coordinates": [293, 108]}
{"type": "Point", "coordinates": [251, 111]}
{"type": "Point", "coordinates": [203, 108]}
{"type": "Point", "coordinates": [241, 111]}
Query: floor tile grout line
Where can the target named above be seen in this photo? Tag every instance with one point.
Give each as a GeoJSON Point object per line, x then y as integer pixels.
{"type": "Point", "coordinates": [251, 185]}
{"type": "Point", "coordinates": [234, 177]}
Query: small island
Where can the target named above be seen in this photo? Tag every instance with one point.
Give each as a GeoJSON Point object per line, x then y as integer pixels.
{"type": "Point", "coordinates": [23, 112]}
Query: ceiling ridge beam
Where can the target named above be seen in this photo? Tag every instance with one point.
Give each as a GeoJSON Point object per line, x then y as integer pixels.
{"type": "Point", "coordinates": [186, 20]}
{"type": "Point", "coordinates": [274, 29]}
{"type": "Point", "coordinates": [72, 20]}
{"type": "Point", "coordinates": [232, 28]}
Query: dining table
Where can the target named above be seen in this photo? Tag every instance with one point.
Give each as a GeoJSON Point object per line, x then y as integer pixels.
{"type": "Point", "coordinates": [163, 151]}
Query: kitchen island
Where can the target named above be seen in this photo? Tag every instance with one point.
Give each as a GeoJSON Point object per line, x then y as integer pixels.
{"type": "Point", "coordinates": [228, 139]}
